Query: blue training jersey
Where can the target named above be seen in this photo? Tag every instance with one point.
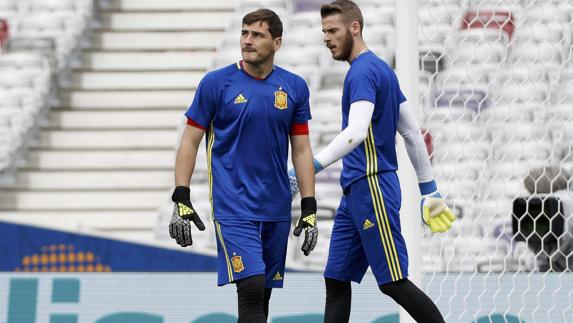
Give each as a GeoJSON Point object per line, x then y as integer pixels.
{"type": "Point", "coordinates": [249, 121]}
{"type": "Point", "coordinates": [371, 79]}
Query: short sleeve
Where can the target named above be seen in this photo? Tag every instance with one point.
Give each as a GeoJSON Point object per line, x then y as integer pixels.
{"type": "Point", "coordinates": [202, 110]}
{"type": "Point", "coordinates": [362, 85]}
{"type": "Point", "coordinates": [302, 109]}
{"type": "Point", "coordinates": [401, 97]}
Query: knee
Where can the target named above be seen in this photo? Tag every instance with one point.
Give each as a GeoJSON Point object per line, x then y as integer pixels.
{"type": "Point", "coordinates": [251, 289]}
{"type": "Point", "coordinates": [335, 287]}
{"type": "Point", "coordinates": [393, 288]}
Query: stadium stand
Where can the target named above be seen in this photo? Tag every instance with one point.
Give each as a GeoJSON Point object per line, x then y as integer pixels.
{"type": "Point", "coordinates": [495, 86]}
{"type": "Point", "coordinates": [124, 72]}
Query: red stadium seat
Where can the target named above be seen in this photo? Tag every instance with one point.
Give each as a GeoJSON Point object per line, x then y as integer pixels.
{"type": "Point", "coordinates": [428, 140]}
{"type": "Point", "coordinates": [4, 31]}
{"type": "Point", "coordinates": [494, 19]}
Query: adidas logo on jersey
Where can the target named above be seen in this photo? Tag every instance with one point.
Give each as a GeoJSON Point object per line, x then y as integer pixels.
{"type": "Point", "coordinates": [240, 99]}
{"type": "Point", "coordinates": [367, 224]}
{"type": "Point", "coordinates": [278, 276]}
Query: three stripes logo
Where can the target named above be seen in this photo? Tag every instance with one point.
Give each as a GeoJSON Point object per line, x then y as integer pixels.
{"type": "Point", "coordinates": [240, 99]}
{"type": "Point", "coordinates": [367, 224]}
{"type": "Point", "coordinates": [310, 220]}
{"type": "Point", "coordinates": [184, 210]}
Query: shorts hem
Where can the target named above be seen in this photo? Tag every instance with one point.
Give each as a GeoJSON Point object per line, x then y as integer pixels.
{"type": "Point", "coordinates": [243, 276]}
{"type": "Point", "coordinates": [342, 278]}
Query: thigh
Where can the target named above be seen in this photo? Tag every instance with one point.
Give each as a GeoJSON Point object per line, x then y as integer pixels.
{"type": "Point", "coordinates": [346, 258]}
{"type": "Point", "coordinates": [375, 204]}
{"type": "Point", "coordinates": [274, 237]}
{"type": "Point", "coordinates": [239, 250]}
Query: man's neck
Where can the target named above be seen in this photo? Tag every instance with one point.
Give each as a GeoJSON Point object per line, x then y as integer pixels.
{"type": "Point", "coordinates": [260, 71]}
{"type": "Point", "coordinates": [359, 47]}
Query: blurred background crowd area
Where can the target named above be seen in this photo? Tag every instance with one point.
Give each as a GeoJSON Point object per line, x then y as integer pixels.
{"type": "Point", "coordinates": [92, 96]}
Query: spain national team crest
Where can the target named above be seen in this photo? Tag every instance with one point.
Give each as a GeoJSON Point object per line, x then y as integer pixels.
{"type": "Point", "coordinates": [281, 99]}
{"type": "Point", "coordinates": [237, 262]}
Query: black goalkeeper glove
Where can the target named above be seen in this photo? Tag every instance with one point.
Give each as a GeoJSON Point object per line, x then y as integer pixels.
{"type": "Point", "coordinates": [307, 221]}
{"type": "Point", "coordinates": [183, 213]}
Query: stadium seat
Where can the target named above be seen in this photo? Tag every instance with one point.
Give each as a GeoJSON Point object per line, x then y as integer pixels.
{"type": "Point", "coordinates": [432, 57]}
{"type": "Point", "coordinates": [446, 170]}
{"type": "Point", "coordinates": [435, 34]}
{"type": "Point", "coordinates": [516, 131]}
{"type": "Point", "coordinates": [449, 114]}
{"type": "Point", "coordinates": [462, 152]}
{"type": "Point", "coordinates": [548, 12]}
{"type": "Point", "coordinates": [533, 151]}
{"type": "Point", "coordinates": [521, 92]}
{"type": "Point", "coordinates": [490, 19]}
{"type": "Point", "coordinates": [333, 76]}
{"type": "Point", "coordinates": [500, 114]}
{"type": "Point", "coordinates": [383, 52]}
{"type": "Point", "coordinates": [552, 32]}
{"type": "Point", "coordinates": [442, 14]}
{"type": "Point", "coordinates": [514, 169]}
{"type": "Point", "coordinates": [481, 35]}
{"type": "Point", "coordinates": [63, 29]}
{"type": "Point", "coordinates": [474, 97]}
{"type": "Point", "coordinates": [330, 96]}
{"type": "Point", "coordinates": [524, 72]}
{"type": "Point", "coordinates": [455, 75]}
{"type": "Point", "coordinates": [305, 19]}
{"type": "Point", "coordinates": [455, 132]}
{"type": "Point", "coordinates": [378, 35]}
{"type": "Point", "coordinates": [544, 52]}
{"type": "Point", "coordinates": [4, 34]}
{"type": "Point", "coordinates": [380, 16]}
{"type": "Point", "coordinates": [299, 56]}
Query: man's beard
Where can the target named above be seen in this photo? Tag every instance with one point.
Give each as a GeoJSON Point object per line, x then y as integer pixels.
{"type": "Point", "coordinates": [346, 49]}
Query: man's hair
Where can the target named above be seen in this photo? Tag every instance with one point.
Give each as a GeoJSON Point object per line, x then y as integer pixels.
{"type": "Point", "coordinates": [268, 16]}
{"type": "Point", "coordinates": [349, 11]}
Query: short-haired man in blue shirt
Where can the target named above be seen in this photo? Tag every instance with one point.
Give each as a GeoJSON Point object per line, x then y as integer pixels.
{"type": "Point", "coordinates": [250, 111]}
{"type": "Point", "coordinates": [366, 228]}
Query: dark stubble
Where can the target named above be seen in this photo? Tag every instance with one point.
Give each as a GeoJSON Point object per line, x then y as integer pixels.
{"type": "Point", "coordinates": [346, 47]}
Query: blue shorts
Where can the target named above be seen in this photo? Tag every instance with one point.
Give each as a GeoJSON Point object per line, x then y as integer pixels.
{"type": "Point", "coordinates": [366, 232]}
{"type": "Point", "coordinates": [247, 248]}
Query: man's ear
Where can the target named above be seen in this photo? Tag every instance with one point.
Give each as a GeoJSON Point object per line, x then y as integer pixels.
{"type": "Point", "coordinates": [355, 28]}
{"type": "Point", "coordinates": [278, 42]}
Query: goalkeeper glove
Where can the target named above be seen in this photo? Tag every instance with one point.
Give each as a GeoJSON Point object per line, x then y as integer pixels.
{"type": "Point", "coordinates": [292, 177]}
{"type": "Point", "coordinates": [435, 212]}
{"type": "Point", "coordinates": [183, 213]}
{"type": "Point", "coordinates": [307, 221]}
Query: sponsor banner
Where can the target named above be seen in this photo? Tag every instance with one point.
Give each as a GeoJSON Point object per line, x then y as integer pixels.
{"type": "Point", "coordinates": [26, 248]}
{"type": "Point", "coordinates": [194, 298]}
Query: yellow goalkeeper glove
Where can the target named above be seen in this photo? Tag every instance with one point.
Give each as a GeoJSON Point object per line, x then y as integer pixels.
{"type": "Point", "coordinates": [435, 212]}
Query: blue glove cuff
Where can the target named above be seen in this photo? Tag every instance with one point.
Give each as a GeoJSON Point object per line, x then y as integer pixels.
{"type": "Point", "coordinates": [428, 187]}
{"type": "Point", "coordinates": [317, 166]}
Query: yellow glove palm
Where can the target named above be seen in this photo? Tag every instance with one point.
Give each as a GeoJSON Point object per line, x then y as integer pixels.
{"type": "Point", "coordinates": [436, 213]}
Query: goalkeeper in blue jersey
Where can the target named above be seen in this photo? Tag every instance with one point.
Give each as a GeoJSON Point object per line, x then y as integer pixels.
{"type": "Point", "coordinates": [366, 228]}
{"type": "Point", "coordinates": [249, 110]}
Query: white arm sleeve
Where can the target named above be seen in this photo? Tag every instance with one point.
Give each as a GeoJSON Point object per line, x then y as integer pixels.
{"type": "Point", "coordinates": [415, 146]}
{"type": "Point", "coordinates": [359, 118]}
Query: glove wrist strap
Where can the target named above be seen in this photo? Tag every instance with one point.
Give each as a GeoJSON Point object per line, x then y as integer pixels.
{"type": "Point", "coordinates": [181, 193]}
{"type": "Point", "coordinates": [428, 188]}
{"type": "Point", "coordinates": [308, 203]}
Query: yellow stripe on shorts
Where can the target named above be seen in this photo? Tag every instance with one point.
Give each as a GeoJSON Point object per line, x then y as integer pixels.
{"type": "Point", "coordinates": [220, 235]}
{"type": "Point", "coordinates": [380, 209]}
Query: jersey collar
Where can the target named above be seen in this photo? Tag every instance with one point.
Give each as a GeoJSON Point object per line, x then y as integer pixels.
{"type": "Point", "coordinates": [241, 68]}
